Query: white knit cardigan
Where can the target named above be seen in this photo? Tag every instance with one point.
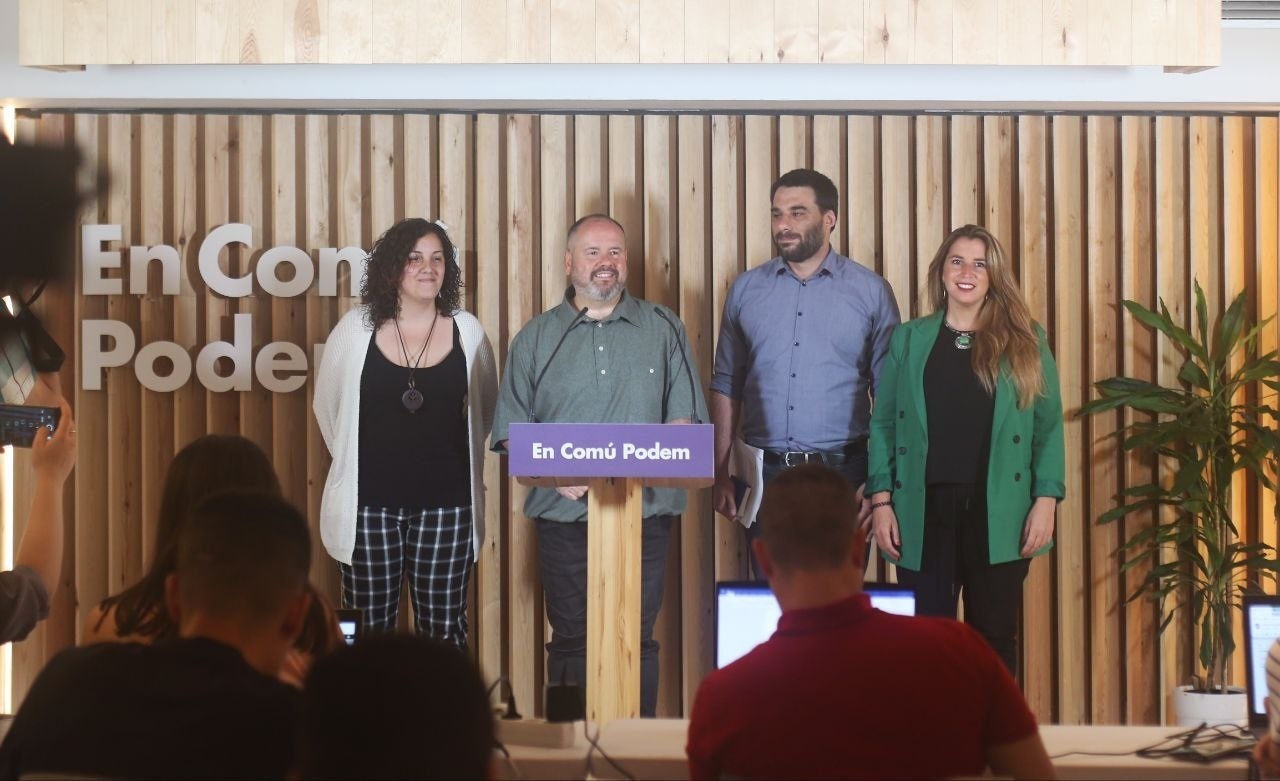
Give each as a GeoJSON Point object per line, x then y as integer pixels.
{"type": "Point", "coordinates": [337, 409]}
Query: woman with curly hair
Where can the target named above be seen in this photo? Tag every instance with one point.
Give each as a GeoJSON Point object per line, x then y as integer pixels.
{"type": "Point", "coordinates": [404, 397]}
{"type": "Point", "coordinates": [966, 460]}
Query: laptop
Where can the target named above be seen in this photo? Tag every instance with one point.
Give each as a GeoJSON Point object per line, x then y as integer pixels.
{"type": "Point", "coordinates": [1261, 628]}
{"type": "Point", "coordinates": [747, 613]}
{"type": "Point", "coordinates": [351, 622]}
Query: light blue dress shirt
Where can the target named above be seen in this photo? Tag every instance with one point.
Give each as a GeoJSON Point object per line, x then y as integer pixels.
{"type": "Point", "coordinates": [803, 356]}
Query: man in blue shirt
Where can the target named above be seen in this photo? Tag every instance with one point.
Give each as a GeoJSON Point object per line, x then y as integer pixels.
{"type": "Point", "coordinates": [801, 343]}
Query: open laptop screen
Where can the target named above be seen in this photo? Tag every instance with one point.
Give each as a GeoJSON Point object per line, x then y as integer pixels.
{"type": "Point", "coordinates": [1261, 628]}
{"type": "Point", "coordinates": [747, 613]}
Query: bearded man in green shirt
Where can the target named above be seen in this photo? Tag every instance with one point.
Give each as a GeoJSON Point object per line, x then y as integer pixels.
{"type": "Point", "coordinates": [600, 356]}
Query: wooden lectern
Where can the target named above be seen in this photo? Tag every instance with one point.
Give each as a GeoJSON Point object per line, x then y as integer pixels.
{"type": "Point", "coordinates": [616, 461]}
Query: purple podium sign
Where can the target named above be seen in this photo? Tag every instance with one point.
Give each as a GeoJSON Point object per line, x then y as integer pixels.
{"type": "Point", "coordinates": [649, 451]}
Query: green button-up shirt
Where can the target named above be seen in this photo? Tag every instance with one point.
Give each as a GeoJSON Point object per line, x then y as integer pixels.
{"type": "Point", "coordinates": [627, 368]}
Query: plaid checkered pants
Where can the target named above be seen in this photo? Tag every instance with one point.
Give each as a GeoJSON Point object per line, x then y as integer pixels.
{"type": "Point", "coordinates": [432, 548]}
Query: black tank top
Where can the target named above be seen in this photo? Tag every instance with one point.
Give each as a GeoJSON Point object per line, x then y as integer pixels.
{"type": "Point", "coordinates": [417, 460]}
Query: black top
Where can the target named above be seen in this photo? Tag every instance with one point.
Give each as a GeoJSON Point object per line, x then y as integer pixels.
{"type": "Point", "coordinates": [959, 413]}
{"type": "Point", "coordinates": [414, 460]}
{"type": "Point", "coordinates": [190, 708]}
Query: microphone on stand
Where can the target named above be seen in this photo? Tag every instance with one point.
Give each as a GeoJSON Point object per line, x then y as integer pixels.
{"type": "Point", "coordinates": [533, 390]}
{"type": "Point", "coordinates": [688, 370]}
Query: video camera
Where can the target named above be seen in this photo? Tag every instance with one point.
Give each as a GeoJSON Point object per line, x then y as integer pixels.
{"type": "Point", "coordinates": [39, 197]}
{"type": "Point", "coordinates": [38, 201]}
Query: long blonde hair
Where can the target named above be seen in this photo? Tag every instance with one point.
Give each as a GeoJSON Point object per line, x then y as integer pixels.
{"type": "Point", "coordinates": [1006, 333]}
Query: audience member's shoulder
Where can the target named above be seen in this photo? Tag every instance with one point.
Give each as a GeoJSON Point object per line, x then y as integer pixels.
{"type": "Point", "coordinates": [927, 626]}
{"type": "Point", "coordinates": [98, 662]}
{"type": "Point", "coordinates": [218, 674]}
{"type": "Point", "coordinates": [945, 636]}
{"type": "Point", "coordinates": [207, 653]}
{"type": "Point", "coordinates": [276, 696]}
{"type": "Point", "coordinates": [737, 679]}
{"type": "Point", "coordinates": [105, 653]}
{"type": "Point", "coordinates": [720, 692]}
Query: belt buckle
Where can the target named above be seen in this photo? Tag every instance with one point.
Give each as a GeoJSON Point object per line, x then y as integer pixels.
{"type": "Point", "coordinates": [802, 455]}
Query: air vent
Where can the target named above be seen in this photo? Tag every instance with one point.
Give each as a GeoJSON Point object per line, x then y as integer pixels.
{"type": "Point", "coordinates": [1251, 9]}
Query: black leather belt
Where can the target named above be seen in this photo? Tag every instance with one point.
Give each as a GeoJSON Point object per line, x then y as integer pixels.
{"type": "Point", "coordinates": [790, 458]}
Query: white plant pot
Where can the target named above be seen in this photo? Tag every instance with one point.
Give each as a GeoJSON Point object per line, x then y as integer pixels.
{"type": "Point", "coordinates": [1196, 708]}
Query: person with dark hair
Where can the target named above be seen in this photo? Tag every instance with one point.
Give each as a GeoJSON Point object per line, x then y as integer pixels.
{"type": "Point", "coordinates": [404, 398]}
{"type": "Point", "coordinates": [967, 456]}
{"type": "Point", "coordinates": [208, 466]}
{"type": "Point", "coordinates": [204, 704]}
{"type": "Point", "coordinates": [601, 356]}
{"type": "Point", "coordinates": [395, 706]}
{"type": "Point", "coordinates": [843, 690]}
{"type": "Point", "coordinates": [801, 344]}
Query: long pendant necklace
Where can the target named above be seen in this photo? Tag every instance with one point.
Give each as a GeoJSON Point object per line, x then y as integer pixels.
{"type": "Point", "coordinates": [964, 339]}
{"type": "Point", "coordinates": [412, 398]}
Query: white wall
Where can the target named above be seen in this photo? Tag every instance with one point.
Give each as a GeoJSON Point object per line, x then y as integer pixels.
{"type": "Point", "coordinates": [1246, 81]}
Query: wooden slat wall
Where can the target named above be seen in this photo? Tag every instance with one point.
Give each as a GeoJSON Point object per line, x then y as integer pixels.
{"type": "Point", "coordinates": [1171, 219]}
{"type": "Point", "coordinates": [1092, 208]}
{"type": "Point", "coordinates": [1185, 33]}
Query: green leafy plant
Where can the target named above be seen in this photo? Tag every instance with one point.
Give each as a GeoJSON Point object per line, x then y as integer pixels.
{"type": "Point", "coordinates": [1207, 430]}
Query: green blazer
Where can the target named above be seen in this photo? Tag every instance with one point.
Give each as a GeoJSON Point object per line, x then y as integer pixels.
{"type": "Point", "coordinates": [1027, 460]}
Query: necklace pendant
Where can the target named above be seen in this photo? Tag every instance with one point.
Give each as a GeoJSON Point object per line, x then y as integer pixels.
{"type": "Point", "coordinates": [963, 341]}
{"type": "Point", "coordinates": [411, 399]}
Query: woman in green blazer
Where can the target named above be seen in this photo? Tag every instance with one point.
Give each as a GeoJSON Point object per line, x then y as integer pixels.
{"type": "Point", "coordinates": [966, 461]}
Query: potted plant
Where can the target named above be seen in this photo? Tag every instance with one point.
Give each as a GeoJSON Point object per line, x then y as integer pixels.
{"type": "Point", "coordinates": [1208, 430]}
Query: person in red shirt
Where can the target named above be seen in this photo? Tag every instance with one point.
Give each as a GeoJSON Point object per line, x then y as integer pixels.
{"type": "Point", "coordinates": [843, 690]}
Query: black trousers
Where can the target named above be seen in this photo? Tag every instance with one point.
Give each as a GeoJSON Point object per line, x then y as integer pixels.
{"type": "Point", "coordinates": [956, 561]}
{"type": "Point", "coordinates": [562, 565]}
